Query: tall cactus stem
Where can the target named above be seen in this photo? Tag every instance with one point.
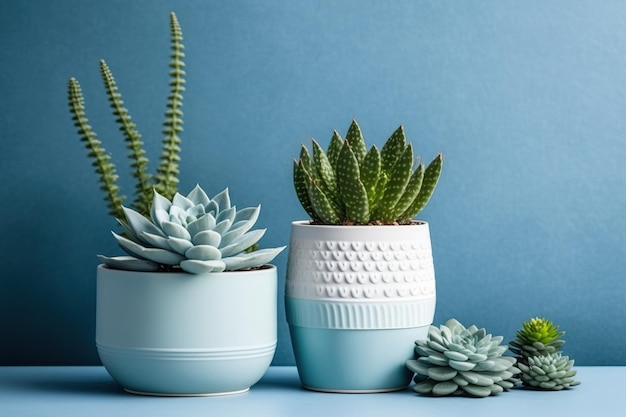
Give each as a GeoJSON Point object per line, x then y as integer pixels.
{"type": "Point", "coordinates": [167, 172]}
{"type": "Point", "coordinates": [139, 164]}
{"type": "Point", "coordinates": [101, 160]}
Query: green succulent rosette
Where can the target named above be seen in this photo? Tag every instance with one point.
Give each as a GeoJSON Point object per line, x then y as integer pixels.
{"type": "Point", "coordinates": [537, 337]}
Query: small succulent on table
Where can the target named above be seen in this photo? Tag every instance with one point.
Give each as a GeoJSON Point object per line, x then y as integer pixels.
{"type": "Point", "coordinates": [164, 230]}
{"type": "Point", "coordinates": [537, 346]}
{"type": "Point", "coordinates": [349, 184]}
{"type": "Point", "coordinates": [455, 360]}
{"type": "Point", "coordinates": [551, 372]}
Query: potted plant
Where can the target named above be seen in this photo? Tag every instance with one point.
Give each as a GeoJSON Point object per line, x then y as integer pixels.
{"type": "Point", "coordinates": [360, 285]}
{"type": "Point", "coordinates": [192, 309]}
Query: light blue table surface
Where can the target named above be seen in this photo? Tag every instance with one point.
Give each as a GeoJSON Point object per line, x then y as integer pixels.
{"type": "Point", "coordinates": [90, 392]}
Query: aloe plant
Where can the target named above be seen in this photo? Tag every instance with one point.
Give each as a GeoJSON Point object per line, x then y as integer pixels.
{"type": "Point", "coordinates": [349, 184]}
{"type": "Point", "coordinates": [194, 233]}
{"type": "Point", "coordinates": [165, 180]}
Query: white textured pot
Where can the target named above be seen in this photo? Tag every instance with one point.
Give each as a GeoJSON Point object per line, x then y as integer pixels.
{"type": "Point", "coordinates": [183, 334]}
{"type": "Point", "coordinates": [357, 298]}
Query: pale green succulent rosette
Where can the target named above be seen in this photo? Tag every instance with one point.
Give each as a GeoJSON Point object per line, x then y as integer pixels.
{"type": "Point", "coordinates": [194, 233]}
{"type": "Point", "coordinates": [455, 360]}
{"type": "Point", "coordinates": [552, 372]}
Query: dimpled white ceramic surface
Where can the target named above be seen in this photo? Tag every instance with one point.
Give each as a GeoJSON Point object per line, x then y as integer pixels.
{"type": "Point", "coordinates": [186, 334]}
{"type": "Point", "coordinates": [357, 298]}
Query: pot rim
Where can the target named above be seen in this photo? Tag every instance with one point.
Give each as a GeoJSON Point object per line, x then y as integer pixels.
{"type": "Point", "coordinates": [263, 269]}
{"type": "Point", "coordinates": [307, 223]}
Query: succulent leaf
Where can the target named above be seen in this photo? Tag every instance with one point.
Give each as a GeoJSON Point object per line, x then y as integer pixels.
{"type": "Point", "coordinates": [258, 257]}
{"type": "Point", "coordinates": [129, 263]}
{"type": "Point", "coordinates": [194, 266]}
{"type": "Point", "coordinates": [429, 182]}
{"type": "Point", "coordinates": [300, 185]}
{"type": "Point", "coordinates": [393, 148]}
{"type": "Point", "coordinates": [324, 210]}
{"type": "Point", "coordinates": [398, 179]}
{"type": "Point", "coordinates": [222, 199]}
{"type": "Point", "coordinates": [188, 233]}
{"type": "Point", "coordinates": [334, 148]}
{"type": "Point", "coordinates": [239, 227]}
{"type": "Point", "coordinates": [381, 185]}
{"type": "Point", "coordinates": [351, 189]}
{"type": "Point", "coordinates": [411, 192]}
{"type": "Point", "coordinates": [370, 173]}
{"type": "Point", "coordinates": [242, 242]}
{"type": "Point", "coordinates": [159, 255]}
{"type": "Point", "coordinates": [324, 171]}
{"type": "Point", "coordinates": [354, 138]}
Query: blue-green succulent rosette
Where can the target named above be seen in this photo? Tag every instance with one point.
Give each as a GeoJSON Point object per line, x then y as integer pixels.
{"type": "Point", "coordinates": [194, 233]}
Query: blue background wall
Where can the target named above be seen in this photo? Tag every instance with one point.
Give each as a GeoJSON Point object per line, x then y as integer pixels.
{"type": "Point", "coordinates": [526, 99]}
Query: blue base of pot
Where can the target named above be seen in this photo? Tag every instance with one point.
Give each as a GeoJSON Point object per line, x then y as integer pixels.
{"type": "Point", "coordinates": [354, 361]}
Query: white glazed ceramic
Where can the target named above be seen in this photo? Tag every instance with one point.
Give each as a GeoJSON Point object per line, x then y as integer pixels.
{"type": "Point", "coordinates": [357, 298]}
{"type": "Point", "coordinates": [180, 334]}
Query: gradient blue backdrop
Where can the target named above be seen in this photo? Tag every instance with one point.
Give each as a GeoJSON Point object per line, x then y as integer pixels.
{"type": "Point", "coordinates": [526, 99]}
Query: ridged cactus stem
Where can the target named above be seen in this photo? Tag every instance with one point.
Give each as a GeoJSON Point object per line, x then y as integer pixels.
{"type": "Point", "coordinates": [143, 187]}
{"type": "Point", "coordinates": [101, 160]}
{"type": "Point", "coordinates": [167, 172]}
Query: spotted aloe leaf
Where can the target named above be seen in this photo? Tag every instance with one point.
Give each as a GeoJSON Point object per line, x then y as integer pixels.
{"type": "Point", "coordinates": [334, 148]}
{"type": "Point", "coordinates": [354, 137]}
{"type": "Point", "coordinates": [392, 149]}
{"type": "Point", "coordinates": [322, 205]}
{"type": "Point", "coordinates": [370, 173]}
{"type": "Point", "coordinates": [300, 181]}
{"type": "Point", "coordinates": [323, 170]}
{"type": "Point", "coordinates": [431, 178]}
{"type": "Point", "coordinates": [351, 189]}
{"type": "Point", "coordinates": [398, 178]}
{"type": "Point", "coordinates": [411, 192]}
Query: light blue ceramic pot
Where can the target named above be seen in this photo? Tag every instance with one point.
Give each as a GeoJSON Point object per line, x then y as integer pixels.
{"type": "Point", "coordinates": [179, 334]}
{"type": "Point", "coordinates": [357, 298]}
